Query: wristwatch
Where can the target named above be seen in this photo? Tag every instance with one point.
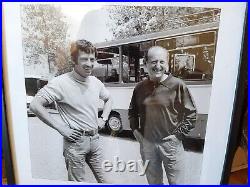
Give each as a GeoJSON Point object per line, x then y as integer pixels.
{"type": "Point", "coordinates": [103, 118]}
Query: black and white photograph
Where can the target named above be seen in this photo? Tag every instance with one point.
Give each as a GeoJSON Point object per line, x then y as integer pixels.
{"type": "Point", "coordinates": [119, 93]}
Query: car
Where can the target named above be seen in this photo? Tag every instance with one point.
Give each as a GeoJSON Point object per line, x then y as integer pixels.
{"type": "Point", "coordinates": [33, 83]}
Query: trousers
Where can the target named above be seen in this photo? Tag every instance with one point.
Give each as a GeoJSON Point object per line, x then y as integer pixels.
{"type": "Point", "coordinates": [168, 153]}
{"type": "Point", "coordinates": [77, 154]}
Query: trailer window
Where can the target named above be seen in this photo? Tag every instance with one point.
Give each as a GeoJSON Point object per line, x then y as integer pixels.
{"type": "Point", "coordinates": [31, 85]}
{"type": "Point", "coordinates": [191, 56]}
{"type": "Point", "coordinates": [107, 70]}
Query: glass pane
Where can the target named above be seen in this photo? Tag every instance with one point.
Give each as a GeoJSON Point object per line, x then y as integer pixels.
{"type": "Point", "coordinates": [31, 85]}
{"type": "Point", "coordinates": [193, 63]}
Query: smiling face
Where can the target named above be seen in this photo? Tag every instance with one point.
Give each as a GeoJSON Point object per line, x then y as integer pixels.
{"type": "Point", "coordinates": [157, 63]}
{"type": "Point", "coordinates": [85, 63]}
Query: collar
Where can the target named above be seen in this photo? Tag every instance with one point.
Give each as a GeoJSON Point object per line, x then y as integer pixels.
{"type": "Point", "coordinates": [78, 77]}
{"type": "Point", "coordinates": [164, 82]}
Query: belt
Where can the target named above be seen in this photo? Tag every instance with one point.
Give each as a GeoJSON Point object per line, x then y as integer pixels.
{"type": "Point", "coordinates": [89, 133]}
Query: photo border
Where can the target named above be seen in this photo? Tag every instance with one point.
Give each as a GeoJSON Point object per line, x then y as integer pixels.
{"type": "Point", "coordinates": [238, 112]}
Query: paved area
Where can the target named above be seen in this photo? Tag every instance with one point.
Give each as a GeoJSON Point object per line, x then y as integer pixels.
{"type": "Point", "coordinates": [47, 160]}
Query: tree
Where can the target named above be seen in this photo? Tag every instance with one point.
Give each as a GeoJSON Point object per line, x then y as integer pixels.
{"type": "Point", "coordinates": [127, 21]}
{"type": "Point", "coordinates": [63, 62]}
{"type": "Point", "coordinates": [44, 30]}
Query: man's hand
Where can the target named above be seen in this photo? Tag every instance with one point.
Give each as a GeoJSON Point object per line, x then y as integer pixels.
{"type": "Point", "coordinates": [170, 137]}
{"type": "Point", "coordinates": [70, 134]}
{"type": "Point", "coordinates": [138, 136]}
{"type": "Point", "coordinates": [101, 123]}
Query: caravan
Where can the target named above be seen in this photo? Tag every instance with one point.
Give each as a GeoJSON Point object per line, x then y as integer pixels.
{"type": "Point", "coordinates": [191, 57]}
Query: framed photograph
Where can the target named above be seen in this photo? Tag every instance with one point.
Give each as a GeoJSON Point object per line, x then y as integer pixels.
{"type": "Point", "coordinates": [107, 92]}
{"type": "Point", "coordinates": [184, 61]}
{"type": "Point", "coordinates": [184, 65]}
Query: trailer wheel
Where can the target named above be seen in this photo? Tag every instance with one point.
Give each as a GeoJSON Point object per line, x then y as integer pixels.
{"type": "Point", "coordinates": [114, 124]}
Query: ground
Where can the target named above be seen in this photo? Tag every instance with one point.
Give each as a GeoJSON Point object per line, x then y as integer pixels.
{"type": "Point", "coordinates": [47, 161]}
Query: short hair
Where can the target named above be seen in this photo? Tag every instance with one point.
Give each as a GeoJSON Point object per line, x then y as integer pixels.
{"type": "Point", "coordinates": [81, 45]}
{"type": "Point", "coordinates": [159, 48]}
{"type": "Point", "coordinates": [113, 69]}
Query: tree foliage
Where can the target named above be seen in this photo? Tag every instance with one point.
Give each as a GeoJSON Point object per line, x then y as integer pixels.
{"type": "Point", "coordinates": [129, 21]}
{"type": "Point", "coordinates": [44, 30]}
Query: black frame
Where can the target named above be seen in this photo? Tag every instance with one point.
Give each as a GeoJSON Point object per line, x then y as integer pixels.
{"type": "Point", "coordinates": [238, 111]}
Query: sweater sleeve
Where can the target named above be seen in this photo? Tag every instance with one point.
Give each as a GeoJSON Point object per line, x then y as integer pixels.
{"type": "Point", "coordinates": [51, 92]}
{"type": "Point", "coordinates": [133, 112]}
{"type": "Point", "coordinates": [104, 93]}
{"type": "Point", "coordinates": [187, 111]}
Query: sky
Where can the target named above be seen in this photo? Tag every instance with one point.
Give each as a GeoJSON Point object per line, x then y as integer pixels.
{"type": "Point", "coordinates": [86, 21]}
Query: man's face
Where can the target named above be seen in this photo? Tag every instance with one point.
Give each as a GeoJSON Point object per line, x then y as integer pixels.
{"type": "Point", "coordinates": [206, 55]}
{"type": "Point", "coordinates": [85, 63]}
{"type": "Point", "coordinates": [113, 72]}
{"type": "Point", "coordinates": [157, 63]}
{"type": "Point", "coordinates": [180, 64]}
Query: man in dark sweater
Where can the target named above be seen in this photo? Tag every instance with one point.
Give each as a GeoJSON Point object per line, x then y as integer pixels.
{"type": "Point", "coordinates": [161, 113]}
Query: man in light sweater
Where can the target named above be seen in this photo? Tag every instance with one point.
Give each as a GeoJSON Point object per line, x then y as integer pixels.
{"type": "Point", "coordinates": [77, 94]}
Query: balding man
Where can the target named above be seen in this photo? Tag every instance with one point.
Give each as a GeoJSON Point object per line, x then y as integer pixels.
{"type": "Point", "coordinates": [161, 113]}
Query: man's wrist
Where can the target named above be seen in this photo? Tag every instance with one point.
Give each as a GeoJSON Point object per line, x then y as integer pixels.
{"type": "Point", "coordinates": [134, 130]}
{"type": "Point", "coordinates": [179, 136]}
{"type": "Point", "coordinates": [104, 119]}
{"type": "Point", "coordinates": [60, 127]}
{"type": "Point", "coordinates": [57, 126]}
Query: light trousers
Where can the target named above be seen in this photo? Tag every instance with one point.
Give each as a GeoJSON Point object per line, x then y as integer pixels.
{"type": "Point", "coordinates": [168, 153]}
{"type": "Point", "coordinates": [86, 150]}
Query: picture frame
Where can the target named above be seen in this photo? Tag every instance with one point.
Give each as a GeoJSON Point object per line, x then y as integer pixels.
{"type": "Point", "coordinates": [184, 64]}
{"type": "Point", "coordinates": [6, 155]}
{"type": "Point", "coordinates": [189, 60]}
{"type": "Point", "coordinates": [16, 131]}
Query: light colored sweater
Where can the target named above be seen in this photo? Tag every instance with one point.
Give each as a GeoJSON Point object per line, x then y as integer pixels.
{"type": "Point", "coordinates": [77, 99]}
